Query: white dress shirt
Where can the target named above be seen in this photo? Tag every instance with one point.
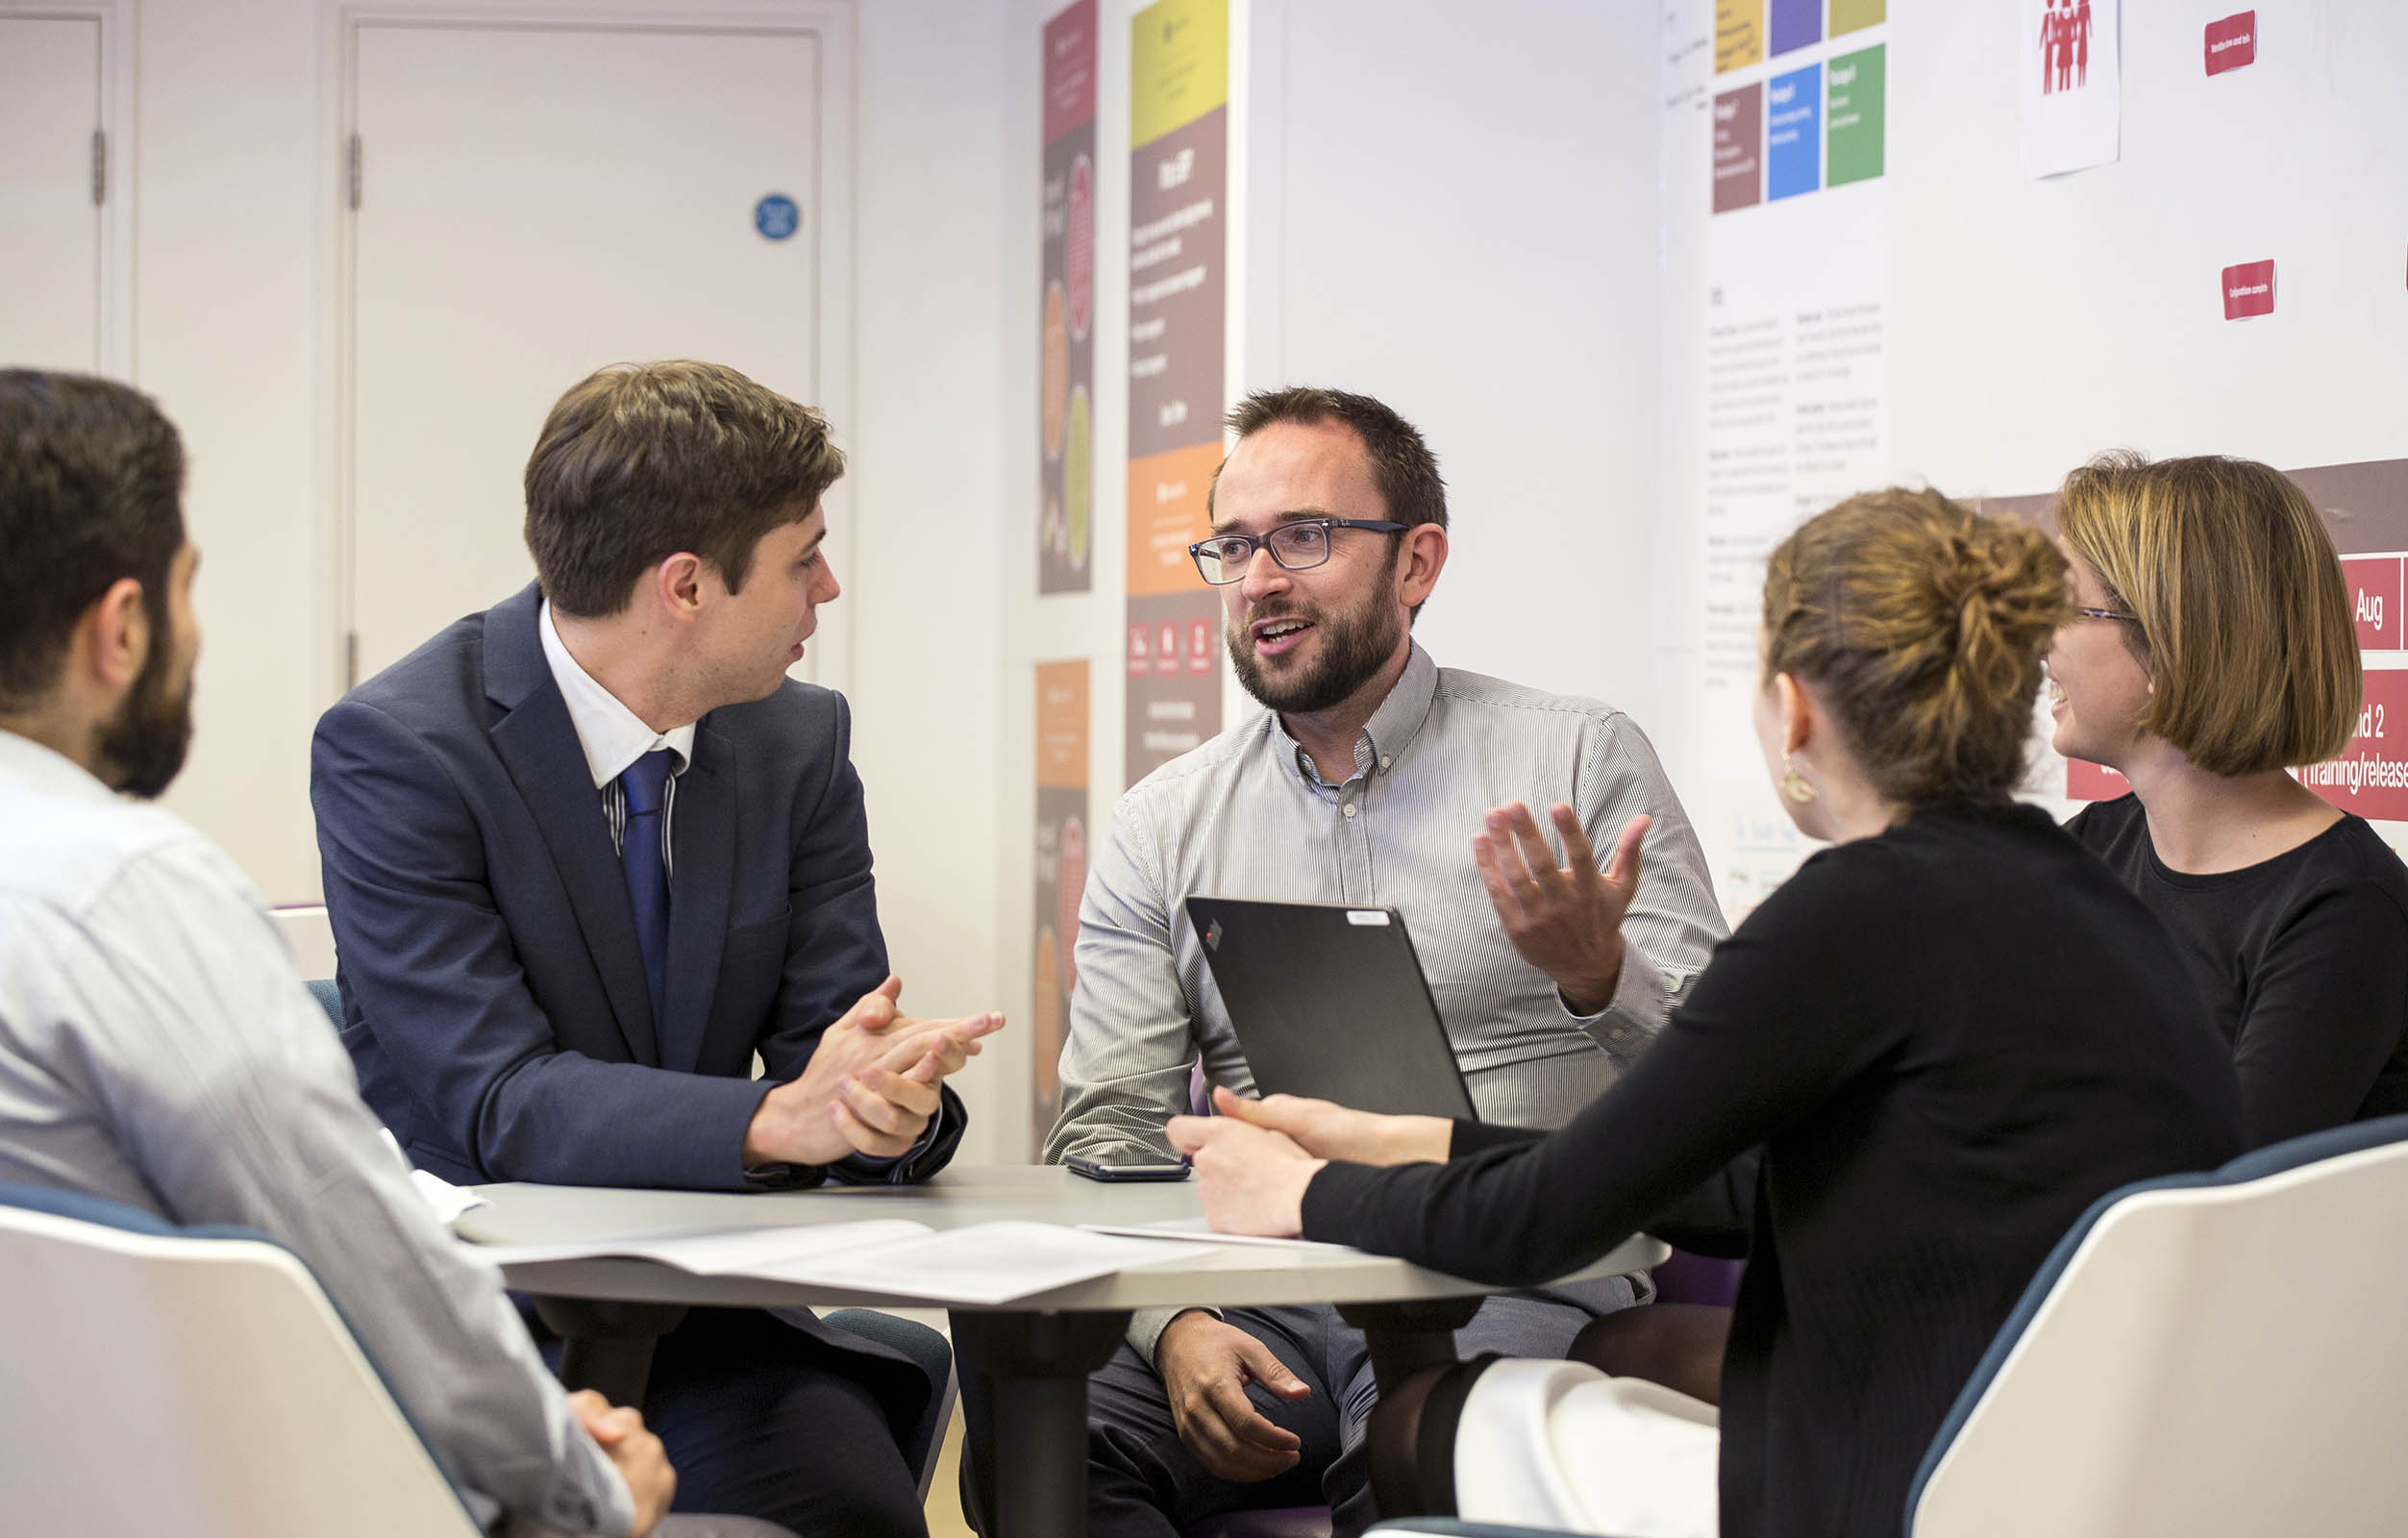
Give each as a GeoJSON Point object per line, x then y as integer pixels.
{"type": "Point", "coordinates": [614, 738]}
{"type": "Point", "coordinates": [157, 1049]}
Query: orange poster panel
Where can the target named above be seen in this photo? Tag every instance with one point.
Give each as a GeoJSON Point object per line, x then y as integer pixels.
{"type": "Point", "coordinates": [1166, 514]}
{"type": "Point", "coordinates": [1062, 724]}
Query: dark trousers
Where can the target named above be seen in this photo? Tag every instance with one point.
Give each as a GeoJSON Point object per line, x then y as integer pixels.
{"type": "Point", "coordinates": [1142, 1482]}
{"type": "Point", "coordinates": [762, 1420]}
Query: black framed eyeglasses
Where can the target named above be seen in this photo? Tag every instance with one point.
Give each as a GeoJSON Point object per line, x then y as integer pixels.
{"type": "Point", "coordinates": [1298, 546]}
{"type": "Point", "coordinates": [2107, 614]}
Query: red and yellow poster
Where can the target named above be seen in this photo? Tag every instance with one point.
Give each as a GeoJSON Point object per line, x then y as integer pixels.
{"type": "Point", "coordinates": [1066, 335]}
{"type": "Point", "coordinates": [1061, 875]}
{"type": "Point", "coordinates": [1178, 327]}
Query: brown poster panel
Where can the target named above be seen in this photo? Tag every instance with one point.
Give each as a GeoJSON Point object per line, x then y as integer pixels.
{"type": "Point", "coordinates": [1061, 877]}
{"type": "Point", "coordinates": [1177, 331]}
{"type": "Point", "coordinates": [1066, 307]}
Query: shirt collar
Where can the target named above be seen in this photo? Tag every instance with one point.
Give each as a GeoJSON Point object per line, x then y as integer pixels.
{"type": "Point", "coordinates": [1391, 727]}
{"type": "Point", "coordinates": [612, 735]}
{"type": "Point", "coordinates": [37, 767]}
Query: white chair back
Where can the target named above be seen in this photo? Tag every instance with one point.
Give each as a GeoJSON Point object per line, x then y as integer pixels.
{"type": "Point", "coordinates": [175, 1386]}
{"type": "Point", "coordinates": [2220, 1355]}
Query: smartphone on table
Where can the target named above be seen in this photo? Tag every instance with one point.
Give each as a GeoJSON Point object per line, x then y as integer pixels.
{"type": "Point", "coordinates": [1096, 1170]}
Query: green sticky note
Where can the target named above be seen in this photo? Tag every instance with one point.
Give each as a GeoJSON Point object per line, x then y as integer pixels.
{"type": "Point", "coordinates": [1852, 117]}
{"type": "Point", "coordinates": [1854, 16]}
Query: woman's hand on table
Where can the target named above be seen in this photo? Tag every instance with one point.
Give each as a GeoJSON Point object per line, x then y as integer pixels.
{"type": "Point", "coordinates": [1253, 1179]}
{"type": "Point", "coordinates": [1329, 1131]}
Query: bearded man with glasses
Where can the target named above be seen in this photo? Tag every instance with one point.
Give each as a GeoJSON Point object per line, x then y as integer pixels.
{"type": "Point", "coordinates": [1371, 778]}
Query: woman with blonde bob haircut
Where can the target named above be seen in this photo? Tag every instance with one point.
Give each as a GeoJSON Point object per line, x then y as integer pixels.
{"type": "Point", "coordinates": [2211, 648]}
{"type": "Point", "coordinates": [1893, 1088]}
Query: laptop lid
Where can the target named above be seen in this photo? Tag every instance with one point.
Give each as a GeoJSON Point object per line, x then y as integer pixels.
{"type": "Point", "coordinates": [1330, 1001]}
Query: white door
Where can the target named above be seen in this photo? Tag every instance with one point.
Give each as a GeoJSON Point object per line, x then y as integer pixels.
{"type": "Point", "coordinates": [534, 202]}
{"type": "Point", "coordinates": [50, 228]}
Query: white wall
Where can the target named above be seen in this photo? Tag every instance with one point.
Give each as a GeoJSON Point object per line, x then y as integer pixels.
{"type": "Point", "coordinates": [931, 504]}
{"type": "Point", "coordinates": [2035, 323]}
{"type": "Point", "coordinates": [228, 166]}
{"type": "Point", "coordinates": [1457, 214]}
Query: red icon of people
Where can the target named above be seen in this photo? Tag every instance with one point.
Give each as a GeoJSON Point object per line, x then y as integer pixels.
{"type": "Point", "coordinates": [2065, 46]}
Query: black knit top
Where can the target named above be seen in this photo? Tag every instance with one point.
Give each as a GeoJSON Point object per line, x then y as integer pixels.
{"type": "Point", "coordinates": [1946, 1041]}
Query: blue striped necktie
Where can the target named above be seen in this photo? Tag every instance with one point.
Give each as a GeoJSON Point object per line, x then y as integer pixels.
{"type": "Point", "coordinates": [645, 785]}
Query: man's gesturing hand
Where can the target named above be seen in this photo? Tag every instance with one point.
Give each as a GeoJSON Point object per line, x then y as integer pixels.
{"type": "Point", "coordinates": [1565, 921]}
{"type": "Point", "coordinates": [636, 1452]}
{"type": "Point", "coordinates": [870, 1086]}
{"type": "Point", "coordinates": [1206, 1366]}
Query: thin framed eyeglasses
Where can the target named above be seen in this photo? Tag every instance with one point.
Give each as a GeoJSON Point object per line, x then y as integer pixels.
{"type": "Point", "coordinates": [1298, 546]}
{"type": "Point", "coordinates": [2107, 614]}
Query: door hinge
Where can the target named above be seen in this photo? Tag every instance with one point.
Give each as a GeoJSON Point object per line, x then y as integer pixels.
{"type": "Point", "coordinates": [354, 175]}
{"type": "Point", "coordinates": [351, 660]}
{"type": "Point", "coordinates": [100, 166]}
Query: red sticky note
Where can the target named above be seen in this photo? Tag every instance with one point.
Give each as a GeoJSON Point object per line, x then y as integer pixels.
{"type": "Point", "coordinates": [2248, 291]}
{"type": "Point", "coordinates": [2232, 42]}
{"type": "Point", "coordinates": [2085, 780]}
{"type": "Point", "coordinates": [2378, 586]}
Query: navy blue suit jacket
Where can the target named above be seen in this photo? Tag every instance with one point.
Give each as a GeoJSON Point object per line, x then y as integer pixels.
{"type": "Point", "coordinates": [494, 998]}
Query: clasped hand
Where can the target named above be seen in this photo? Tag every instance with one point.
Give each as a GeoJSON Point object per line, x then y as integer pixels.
{"type": "Point", "coordinates": [1564, 920]}
{"type": "Point", "coordinates": [870, 1088]}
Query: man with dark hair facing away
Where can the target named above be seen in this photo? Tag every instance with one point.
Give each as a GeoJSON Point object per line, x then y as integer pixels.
{"type": "Point", "coordinates": [588, 852]}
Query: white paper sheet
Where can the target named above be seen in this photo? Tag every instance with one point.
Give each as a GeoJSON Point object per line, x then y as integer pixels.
{"type": "Point", "coordinates": [2069, 76]}
{"type": "Point", "coordinates": [450, 1201]}
{"type": "Point", "coordinates": [717, 1251]}
{"type": "Point", "coordinates": [1199, 1231]}
{"type": "Point", "coordinates": [986, 1263]}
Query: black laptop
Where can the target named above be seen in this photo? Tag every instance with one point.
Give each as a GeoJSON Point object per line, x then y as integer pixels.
{"type": "Point", "coordinates": [1330, 1001]}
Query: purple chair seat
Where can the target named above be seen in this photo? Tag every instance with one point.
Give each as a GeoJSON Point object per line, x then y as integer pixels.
{"type": "Point", "coordinates": [1286, 1521]}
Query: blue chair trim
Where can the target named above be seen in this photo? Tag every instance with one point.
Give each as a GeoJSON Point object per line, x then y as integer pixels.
{"type": "Point", "coordinates": [330, 999]}
{"type": "Point", "coordinates": [2272, 1160]}
{"type": "Point", "coordinates": [101, 1212]}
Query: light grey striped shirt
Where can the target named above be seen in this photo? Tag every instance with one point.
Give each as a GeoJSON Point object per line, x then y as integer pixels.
{"type": "Point", "coordinates": [157, 1049]}
{"type": "Point", "coordinates": [1248, 815]}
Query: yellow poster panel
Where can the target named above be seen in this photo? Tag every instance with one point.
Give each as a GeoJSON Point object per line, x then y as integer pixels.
{"type": "Point", "coordinates": [1738, 33]}
{"type": "Point", "coordinates": [1166, 514]}
{"type": "Point", "coordinates": [1062, 724]}
{"type": "Point", "coordinates": [1854, 16]}
{"type": "Point", "coordinates": [1178, 66]}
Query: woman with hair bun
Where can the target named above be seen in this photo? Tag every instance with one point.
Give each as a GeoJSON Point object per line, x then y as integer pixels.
{"type": "Point", "coordinates": [1901, 1079]}
{"type": "Point", "coordinates": [2212, 645]}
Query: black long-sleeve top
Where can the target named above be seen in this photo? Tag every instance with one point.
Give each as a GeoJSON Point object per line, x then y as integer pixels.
{"type": "Point", "coordinates": [1946, 1040]}
{"type": "Point", "coordinates": [2301, 960]}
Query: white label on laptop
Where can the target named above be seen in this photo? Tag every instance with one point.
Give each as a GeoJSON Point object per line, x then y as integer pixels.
{"type": "Point", "coordinates": [1366, 915]}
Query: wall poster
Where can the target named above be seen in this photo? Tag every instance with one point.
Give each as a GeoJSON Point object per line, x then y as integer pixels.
{"type": "Point", "coordinates": [1061, 877]}
{"type": "Point", "coordinates": [1795, 366]}
{"type": "Point", "coordinates": [1066, 342]}
{"type": "Point", "coordinates": [1177, 315]}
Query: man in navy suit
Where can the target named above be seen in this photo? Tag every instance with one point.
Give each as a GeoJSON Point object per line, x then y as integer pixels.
{"type": "Point", "coordinates": [586, 853]}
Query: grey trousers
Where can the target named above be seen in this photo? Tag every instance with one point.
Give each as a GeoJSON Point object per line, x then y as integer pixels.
{"type": "Point", "coordinates": [1142, 1482]}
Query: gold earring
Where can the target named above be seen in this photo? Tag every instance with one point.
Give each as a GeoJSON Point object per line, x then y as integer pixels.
{"type": "Point", "coordinates": [1794, 785]}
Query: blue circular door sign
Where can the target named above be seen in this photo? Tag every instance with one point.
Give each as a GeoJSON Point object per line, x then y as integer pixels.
{"type": "Point", "coordinates": [777, 217]}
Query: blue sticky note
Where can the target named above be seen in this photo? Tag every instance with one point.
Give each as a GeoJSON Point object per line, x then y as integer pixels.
{"type": "Point", "coordinates": [1793, 132]}
{"type": "Point", "coordinates": [777, 217]}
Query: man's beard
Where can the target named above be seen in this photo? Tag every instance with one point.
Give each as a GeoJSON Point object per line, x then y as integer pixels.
{"type": "Point", "coordinates": [141, 748]}
{"type": "Point", "coordinates": [1354, 646]}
